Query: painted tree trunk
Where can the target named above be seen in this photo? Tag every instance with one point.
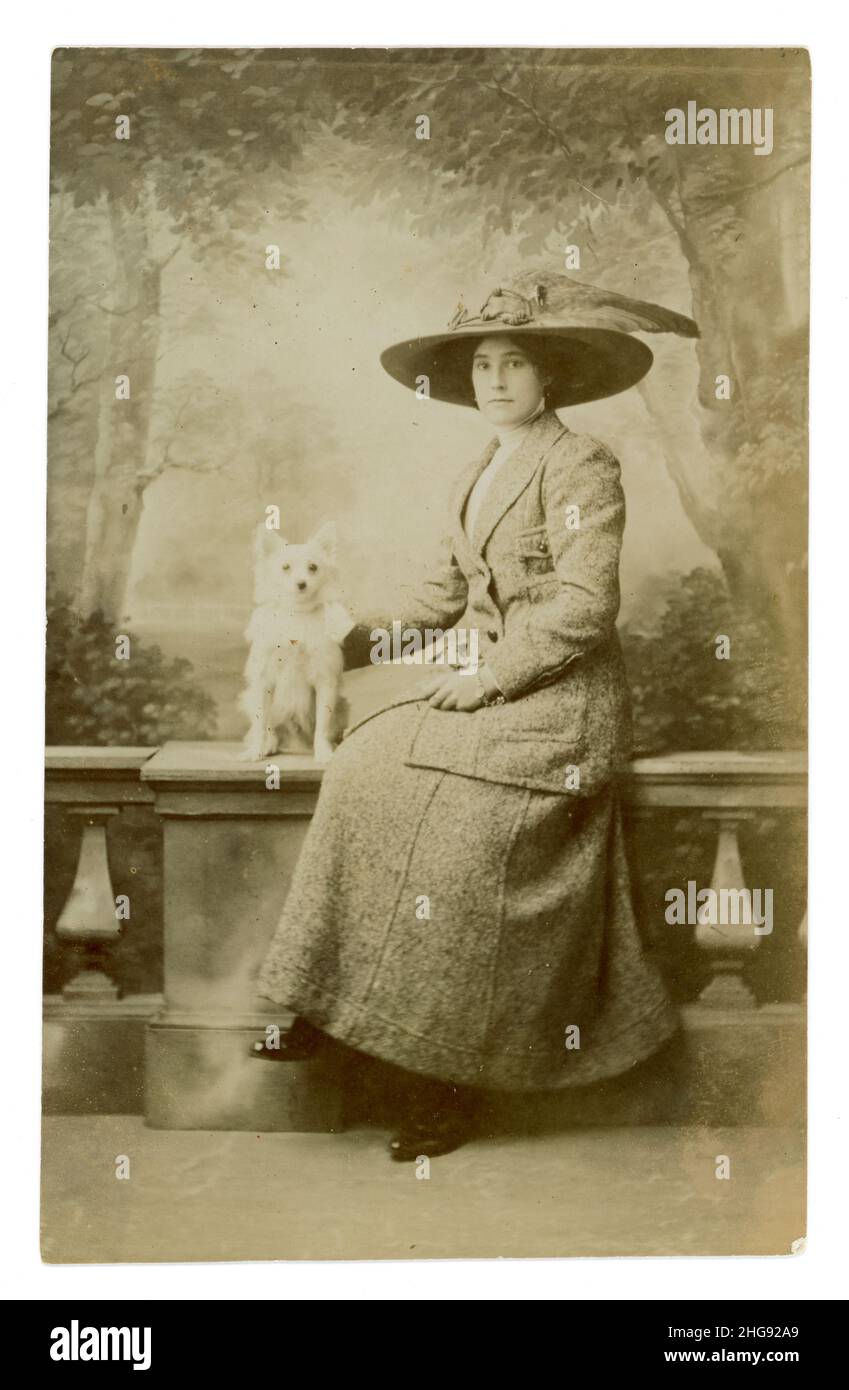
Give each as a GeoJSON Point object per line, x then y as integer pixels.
{"type": "Point", "coordinates": [751, 307]}
{"type": "Point", "coordinates": [116, 500]}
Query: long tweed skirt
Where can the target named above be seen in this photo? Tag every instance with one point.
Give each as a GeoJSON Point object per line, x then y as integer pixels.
{"type": "Point", "coordinates": [467, 930]}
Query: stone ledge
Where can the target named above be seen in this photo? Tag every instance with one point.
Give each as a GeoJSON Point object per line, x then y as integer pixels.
{"type": "Point", "coordinates": [731, 1067]}
{"type": "Point", "coordinates": [220, 764]}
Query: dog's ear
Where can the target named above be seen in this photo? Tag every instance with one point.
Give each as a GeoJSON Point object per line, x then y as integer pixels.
{"type": "Point", "coordinates": [325, 539]}
{"type": "Point", "coordinates": [266, 542]}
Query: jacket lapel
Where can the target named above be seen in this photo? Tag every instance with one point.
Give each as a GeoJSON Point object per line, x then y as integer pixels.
{"type": "Point", "coordinates": [467, 557]}
{"type": "Point", "coordinates": [513, 477]}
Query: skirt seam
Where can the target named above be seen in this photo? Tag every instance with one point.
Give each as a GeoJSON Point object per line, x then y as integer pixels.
{"type": "Point", "coordinates": [402, 879]}
{"type": "Point", "coordinates": [502, 889]}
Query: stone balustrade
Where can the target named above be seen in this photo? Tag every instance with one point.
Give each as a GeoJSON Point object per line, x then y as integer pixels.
{"type": "Point", "coordinates": [230, 840]}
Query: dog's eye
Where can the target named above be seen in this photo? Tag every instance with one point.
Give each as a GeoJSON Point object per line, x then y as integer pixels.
{"type": "Point", "coordinates": [312, 568]}
{"type": "Point", "coordinates": [285, 568]}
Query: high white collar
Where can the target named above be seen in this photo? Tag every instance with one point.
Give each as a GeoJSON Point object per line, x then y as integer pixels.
{"type": "Point", "coordinates": [510, 435]}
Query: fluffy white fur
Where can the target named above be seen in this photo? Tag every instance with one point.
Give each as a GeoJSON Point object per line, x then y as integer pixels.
{"type": "Point", "coordinates": [293, 674]}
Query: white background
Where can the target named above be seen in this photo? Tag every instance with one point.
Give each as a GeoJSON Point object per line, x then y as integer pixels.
{"type": "Point", "coordinates": [820, 1272]}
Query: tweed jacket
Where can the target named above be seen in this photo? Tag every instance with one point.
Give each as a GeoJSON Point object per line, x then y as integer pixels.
{"type": "Point", "coordinates": [539, 579]}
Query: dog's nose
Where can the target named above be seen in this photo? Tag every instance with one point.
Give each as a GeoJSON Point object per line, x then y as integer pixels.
{"type": "Point", "coordinates": [302, 583]}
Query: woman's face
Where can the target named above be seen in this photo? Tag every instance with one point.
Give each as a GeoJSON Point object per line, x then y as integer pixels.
{"type": "Point", "coordinates": [507, 385]}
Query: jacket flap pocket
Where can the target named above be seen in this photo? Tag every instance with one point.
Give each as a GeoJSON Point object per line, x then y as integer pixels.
{"type": "Point", "coordinates": [444, 739]}
{"type": "Point", "coordinates": [533, 760]}
{"type": "Point", "coordinates": [533, 543]}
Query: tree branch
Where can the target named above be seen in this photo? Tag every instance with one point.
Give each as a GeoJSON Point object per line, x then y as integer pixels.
{"type": "Point", "coordinates": [54, 318]}
{"type": "Point", "coordinates": [166, 260]}
{"type": "Point", "coordinates": [550, 130]}
{"type": "Point", "coordinates": [76, 384]}
{"type": "Point", "coordinates": [707, 200]}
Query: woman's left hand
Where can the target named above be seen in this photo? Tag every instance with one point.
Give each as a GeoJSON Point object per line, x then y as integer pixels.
{"type": "Point", "coordinates": [454, 691]}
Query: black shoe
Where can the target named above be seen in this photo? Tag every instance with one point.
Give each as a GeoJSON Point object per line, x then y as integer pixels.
{"type": "Point", "coordinates": [428, 1135]}
{"type": "Point", "coordinates": [297, 1044]}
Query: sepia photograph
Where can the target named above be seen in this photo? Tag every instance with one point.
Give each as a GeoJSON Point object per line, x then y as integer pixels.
{"type": "Point", "coordinates": [425, 829]}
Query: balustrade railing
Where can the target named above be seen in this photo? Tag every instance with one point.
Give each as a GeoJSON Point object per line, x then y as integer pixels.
{"type": "Point", "coordinates": [223, 840]}
{"type": "Point", "coordinates": [95, 785]}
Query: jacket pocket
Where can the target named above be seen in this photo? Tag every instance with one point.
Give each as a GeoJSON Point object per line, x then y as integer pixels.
{"type": "Point", "coordinates": [532, 759]}
{"type": "Point", "coordinates": [540, 588]}
{"type": "Point", "coordinates": [444, 739]}
{"type": "Point", "coordinates": [534, 551]}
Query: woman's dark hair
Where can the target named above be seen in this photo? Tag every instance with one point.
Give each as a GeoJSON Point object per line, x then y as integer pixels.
{"type": "Point", "coordinates": [541, 361]}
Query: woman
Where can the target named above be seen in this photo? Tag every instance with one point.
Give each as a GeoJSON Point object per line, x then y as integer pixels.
{"type": "Point", "coordinates": [461, 905]}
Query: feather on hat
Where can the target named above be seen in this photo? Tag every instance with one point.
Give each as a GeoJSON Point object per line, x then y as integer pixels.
{"type": "Point", "coordinates": [580, 330]}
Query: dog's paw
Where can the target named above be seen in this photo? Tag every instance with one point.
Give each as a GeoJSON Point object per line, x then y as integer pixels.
{"type": "Point", "coordinates": [255, 753]}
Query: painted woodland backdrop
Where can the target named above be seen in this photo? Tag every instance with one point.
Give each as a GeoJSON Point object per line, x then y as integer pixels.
{"type": "Point", "coordinates": [252, 386]}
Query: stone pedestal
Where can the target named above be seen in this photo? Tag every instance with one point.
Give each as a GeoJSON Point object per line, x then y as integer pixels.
{"type": "Point", "coordinates": [93, 1054]}
{"type": "Point", "coordinates": [232, 833]}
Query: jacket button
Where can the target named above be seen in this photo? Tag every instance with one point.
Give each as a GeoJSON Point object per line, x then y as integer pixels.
{"type": "Point", "coordinates": [492, 635]}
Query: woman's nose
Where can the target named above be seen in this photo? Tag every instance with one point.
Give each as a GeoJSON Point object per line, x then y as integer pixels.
{"type": "Point", "coordinates": [302, 583]}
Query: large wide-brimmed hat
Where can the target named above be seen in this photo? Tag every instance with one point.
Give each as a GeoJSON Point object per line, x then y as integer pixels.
{"type": "Point", "coordinates": [581, 333]}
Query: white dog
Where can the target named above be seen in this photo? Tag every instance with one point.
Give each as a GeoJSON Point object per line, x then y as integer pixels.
{"type": "Point", "coordinates": [293, 674]}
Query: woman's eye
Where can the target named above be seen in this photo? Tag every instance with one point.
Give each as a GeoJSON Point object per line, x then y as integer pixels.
{"type": "Point", "coordinates": [312, 568]}
{"type": "Point", "coordinates": [285, 568]}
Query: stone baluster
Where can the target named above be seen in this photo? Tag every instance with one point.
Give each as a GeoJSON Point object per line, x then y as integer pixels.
{"type": "Point", "coordinates": [88, 920]}
{"type": "Point", "coordinates": [726, 946]}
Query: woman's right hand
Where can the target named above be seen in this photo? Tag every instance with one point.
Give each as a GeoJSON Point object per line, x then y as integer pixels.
{"type": "Point", "coordinates": [454, 691]}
